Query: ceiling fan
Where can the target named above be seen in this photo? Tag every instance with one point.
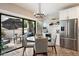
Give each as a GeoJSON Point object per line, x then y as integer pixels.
{"type": "Point", "coordinates": [39, 15]}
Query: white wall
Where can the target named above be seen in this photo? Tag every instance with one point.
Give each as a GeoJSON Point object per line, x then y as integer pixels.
{"type": "Point", "coordinates": [52, 29]}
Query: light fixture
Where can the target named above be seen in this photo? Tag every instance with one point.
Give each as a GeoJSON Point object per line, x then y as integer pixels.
{"type": "Point", "coordinates": [39, 14]}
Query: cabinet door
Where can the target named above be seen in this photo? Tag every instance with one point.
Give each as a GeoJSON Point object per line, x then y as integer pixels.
{"type": "Point", "coordinates": [77, 11]}
{"type": "Point", "coordinates": [72, 13]}
{"type": "Point", "coordinates": [63, 15]}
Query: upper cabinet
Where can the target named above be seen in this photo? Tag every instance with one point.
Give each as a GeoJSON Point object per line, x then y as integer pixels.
{"type": "Point", "coordinates": [63, 15]}
{"type": "Point", "coordinates": [69, 13]}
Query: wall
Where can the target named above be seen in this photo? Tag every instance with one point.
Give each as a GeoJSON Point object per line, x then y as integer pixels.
{"type": "Point", "coordinates": [52, 29]}
{"type": "Point", "coordinates": [13, 9]}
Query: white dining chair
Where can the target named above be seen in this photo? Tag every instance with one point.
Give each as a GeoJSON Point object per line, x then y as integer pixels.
{"type": "Point", "coordinates": [26, 44]}
{"type": "Point", "coordinates": [53, 43]}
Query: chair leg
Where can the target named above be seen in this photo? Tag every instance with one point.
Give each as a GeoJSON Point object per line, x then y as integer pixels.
{"type": "Point", "coordinates": [34, 53]}
{"type": "Point", "coordinates": [20, 39]}
{"type": "Point", "coordinates": [55, 49]}
{"type": "Point", "coordinates": [45, 54]}
{"type": "Point", "coordinates": [14, 40]}
{"type": "Point", "coordinates": [24, 50]}
{"type": "Point", "coordinates": [52, 48]}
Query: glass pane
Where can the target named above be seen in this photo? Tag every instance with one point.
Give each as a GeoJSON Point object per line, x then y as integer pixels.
{"type": "Point", "coordinates": [26, 27]}
{"type": "Point", "coordinates": [30, 29]}
{"type": "Point", "coordinates": [11, 33]}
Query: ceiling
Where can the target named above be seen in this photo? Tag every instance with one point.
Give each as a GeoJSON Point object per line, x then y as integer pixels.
{"type": "Point", "coordinates": [47, 8]}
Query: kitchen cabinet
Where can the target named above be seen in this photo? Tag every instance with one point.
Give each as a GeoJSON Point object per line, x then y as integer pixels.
{"type": "Point", "coordinates": [69, 13]}
{"type": "Point", "coordinates": [72, 13]}
{"type": "Point", "coordinates": [63, 15]}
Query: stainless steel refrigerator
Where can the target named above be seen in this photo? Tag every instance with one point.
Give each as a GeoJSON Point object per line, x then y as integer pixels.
{"type": "Point", "coordinates": [68, 34]}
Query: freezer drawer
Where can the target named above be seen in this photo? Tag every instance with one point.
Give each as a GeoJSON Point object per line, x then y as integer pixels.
{"type": "Point", "coordinates": [69, 44]}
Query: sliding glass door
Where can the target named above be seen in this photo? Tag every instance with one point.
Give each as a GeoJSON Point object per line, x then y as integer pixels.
{"type": "Point", "coordinates": [11, 33]}
{"type": "Point", "coordinates": [30, 29]}
{"type": "Point", "coordinates": [12, 29]}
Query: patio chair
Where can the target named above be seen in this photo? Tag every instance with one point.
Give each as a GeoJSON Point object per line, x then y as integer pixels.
{"type": "Point", "coordinates": [40, 47]}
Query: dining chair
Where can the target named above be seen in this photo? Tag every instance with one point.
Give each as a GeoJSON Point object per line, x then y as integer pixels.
{"type": "Point", "coordinates": [26, 44]}
{"type": "Point", "coordinates": [40, 47]}
{"type": "Point", "coordinates": [53, 43]}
